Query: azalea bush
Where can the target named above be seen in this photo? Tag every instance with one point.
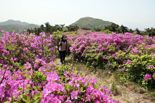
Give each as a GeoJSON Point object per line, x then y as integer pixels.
{"type": "Point", "coordinates": [123, 52]}
{"type": "Point", "coordinates": [19, 49]}
{"type": "Point", "coordinates": [102, 49]}
{"type": "Point", "coordinates": [53, 86]}
{"type": "Point", "coordinates": [140, 66]}
{"type": "Point", "coordinates": [28, 74]}
{"type": "Point", "coordinates": [141, 69]}
{"type": "Point", "coordinates": [71, 87]}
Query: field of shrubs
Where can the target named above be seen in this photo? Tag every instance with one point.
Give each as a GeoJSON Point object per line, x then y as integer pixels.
{"type": "Point", "coordinates": [128, 53]}
{"type": "Point", "coordinates": [29, 74]}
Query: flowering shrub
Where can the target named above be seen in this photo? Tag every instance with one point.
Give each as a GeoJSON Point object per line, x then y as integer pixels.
{"type": "Point", "coordinates": [102, 50]}
{"type": "Point", "coordinates": [141, 69]}
{"type": "Point", "coordinates": [51, 86]}
{"type": "Point", "coordinates": [71, 87]}
{"type": "Point", "coordinates": [23, 49]}
{"type": "Point", "coordinates": [147, 77]}
{"type": "Point", "coordinates": [28, 74]}
{"type": "Point", "coordinates": [128, 52]}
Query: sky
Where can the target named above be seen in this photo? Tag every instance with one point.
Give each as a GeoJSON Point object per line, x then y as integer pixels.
{"type": "Point", "coordinates": [132, 13]}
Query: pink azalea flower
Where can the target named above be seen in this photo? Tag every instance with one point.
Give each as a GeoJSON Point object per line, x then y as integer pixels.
{"type": "Point", "coordinates": [25, 49]}
{"type": "Point", "coordinates": [52, 76]}
{"type": "Point", "coordinates": [135, 50]}
{"type": "Point", "coordinates": [150, 67]}
{"type": "Point", "coordinates": [147, 77]}
{"type": "Point", "coordinates": [68, 101]}
{"type": "Point", "coordinates": [27, 65]}
{"type": "Point", "coordinates": [74, 94]}
{"type": "Point", "coordinates": [128, 62]}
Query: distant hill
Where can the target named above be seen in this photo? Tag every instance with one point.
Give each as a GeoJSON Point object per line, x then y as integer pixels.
{"type": "Point", "coordinates": [17, 26]}
{"type": "Point", "coordinates": [91, 23]}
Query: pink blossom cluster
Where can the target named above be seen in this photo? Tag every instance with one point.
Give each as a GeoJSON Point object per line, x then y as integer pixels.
{"type": "Point", "coordinates": [74, 88]}
{"type": "Point", "coordinates": [151, 74]}
{"type": "Point", "coordinates": [103, 41]}
{"type": "Point", "coordinates": [23, 48]}
{"type": "Point", "coordinates": [127, 52]}
{"type": "Point", "coordinates": [68, 87]}
{"type": "Point", "coordinates": [147, 77]}
{"type": "Point", "coordinates": [27, 70]}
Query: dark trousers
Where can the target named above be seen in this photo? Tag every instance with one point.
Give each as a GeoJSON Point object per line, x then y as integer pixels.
{"type": "Point", "coordinates": [62, 55]}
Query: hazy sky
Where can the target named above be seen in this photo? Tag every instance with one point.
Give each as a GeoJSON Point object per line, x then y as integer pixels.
{"type": "Point", "coordinates": [132, 13]}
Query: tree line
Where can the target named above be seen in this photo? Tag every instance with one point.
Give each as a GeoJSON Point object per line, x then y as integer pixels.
{"type": "Point", "coordinates": [108, 29]}
{"type": "Point", "coordinates": [122, 29]}
{"type": "Point", "coordinates": [50, 29]}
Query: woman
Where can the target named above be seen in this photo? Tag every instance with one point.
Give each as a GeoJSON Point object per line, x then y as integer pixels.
{"type": "Point", "coordinates": [63, 48]}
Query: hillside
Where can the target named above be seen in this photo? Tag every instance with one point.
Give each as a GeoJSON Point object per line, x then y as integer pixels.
{"type": "Point", "coordinates": [91, 23]}
{"type": "Point", "coordinates": [17, 26]}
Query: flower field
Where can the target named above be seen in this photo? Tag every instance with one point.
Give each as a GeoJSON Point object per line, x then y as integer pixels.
{"type": "Point", "coordinates": [28, 74]}
{"type": "Point", "coordinates": [129, 53]}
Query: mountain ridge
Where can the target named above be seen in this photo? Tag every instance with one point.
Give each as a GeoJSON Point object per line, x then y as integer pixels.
{"type": "Point", "coordinates": [91, 23]}
{"type": "Point", "coordinates": [83, 23]}
{"type": "Point", "coordinates": [16, 25]}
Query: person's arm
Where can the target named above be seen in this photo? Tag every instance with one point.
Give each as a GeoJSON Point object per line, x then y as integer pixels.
{"type": "Point", "coordinates": [67, 47]}
{"type": "Point", "coordinates": [59, 45]}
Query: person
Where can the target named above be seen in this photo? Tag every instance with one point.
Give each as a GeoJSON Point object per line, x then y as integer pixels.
{"type": "Point", "coordinates": [62, 48]}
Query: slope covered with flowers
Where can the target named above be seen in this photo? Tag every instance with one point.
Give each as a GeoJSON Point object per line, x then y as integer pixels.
{"type": "Point", "coordinates": [28, 74]}
{"type": "Point", "coordinates": [130, 53]}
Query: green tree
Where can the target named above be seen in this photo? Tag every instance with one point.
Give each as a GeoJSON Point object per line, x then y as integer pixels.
{"type": "Point", "coordinates": [150, 31]}
{"type": "Point", "coordinates": [48, 28]}
{"type": "Point", "coordinates": [137, 31]}
{"type": "Point", "coordinates": [123, 29]}
{"type": "Point", "coordinates": [42, 28]}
